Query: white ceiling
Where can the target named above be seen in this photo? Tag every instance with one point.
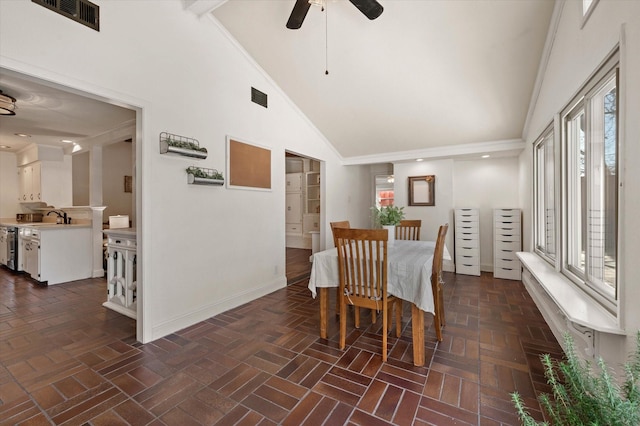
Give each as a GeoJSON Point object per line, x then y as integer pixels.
{"type": "Point", "coordinates": [426, 74]}
{"type": "Point", "coordinates": [428, 78]}
{"type": "Point", "coordinates": [49, 115]}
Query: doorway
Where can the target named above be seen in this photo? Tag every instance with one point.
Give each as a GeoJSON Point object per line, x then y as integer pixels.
{"type": "Point", "coordinates": [302, 214]}
{"type": "Point", "coordinates": [90, 121]}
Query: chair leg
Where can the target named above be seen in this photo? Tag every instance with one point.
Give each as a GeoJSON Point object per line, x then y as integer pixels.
{"type": "Point", "coordinates": [385, 314]}
{"type": "Point", "coordinates": [357, 316]}
{"type": "Point", "coordinates": [437, 309]}
{"type": "Point", "coordinates": [442, 318]}
{"type": "Point", "coordinates": [374, 318]}
{"type": "Point", "coordinates": [338, 301]}
{"type": "Point", "coordinates": [398, 317]}
{"type": "Point", "coordinates": [343, 323]}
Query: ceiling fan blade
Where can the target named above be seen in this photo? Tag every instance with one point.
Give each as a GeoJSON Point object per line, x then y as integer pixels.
{"type": "Point", "coordinates": [298, 14]}
{"type": "Point", "coordinates": [370, 8]}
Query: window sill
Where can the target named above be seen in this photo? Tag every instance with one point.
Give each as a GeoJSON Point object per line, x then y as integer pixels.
{"type": "Point", "coordinates": [578, 307]}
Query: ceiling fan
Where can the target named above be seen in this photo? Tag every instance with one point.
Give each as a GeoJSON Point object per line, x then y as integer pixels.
{"type": "Point", "coordinates": [370, 8]}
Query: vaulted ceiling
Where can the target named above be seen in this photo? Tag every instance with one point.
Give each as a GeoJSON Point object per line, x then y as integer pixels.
{"type": "Point", "coordinates": [426, 74]}
{"type": "Point", "coordinates": [428, 78]}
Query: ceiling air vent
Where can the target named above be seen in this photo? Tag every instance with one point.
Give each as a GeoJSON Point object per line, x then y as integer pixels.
{"type": "Point", "coordinates": [258, 97]}
{"type": "Point", "coordinates": [81, 11]}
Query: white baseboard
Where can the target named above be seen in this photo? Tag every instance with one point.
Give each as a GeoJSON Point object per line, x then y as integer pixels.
{"type": "Point", "coordinates": [175, 324]}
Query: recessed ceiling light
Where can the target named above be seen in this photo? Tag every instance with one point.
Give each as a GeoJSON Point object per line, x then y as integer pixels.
{"type": "Point", "coordinates": [419, 159]}
{"type": "Point", "coordinates": [4, 147]}
{"type": "Point", "coordinates": [486, 156]}
{"type": "Point", "coordinates": [22, 135]}
{"type": "Point", "coordinates": [66, 141]}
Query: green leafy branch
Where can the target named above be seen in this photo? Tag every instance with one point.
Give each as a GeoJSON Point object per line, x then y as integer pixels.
{"type": "Point", "coordinates": [581, 397]}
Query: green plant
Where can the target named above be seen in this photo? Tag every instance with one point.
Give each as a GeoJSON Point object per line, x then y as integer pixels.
{"type": "Point", "coordinates": [584, 398]}
{"type": "Point", "coordinates": [199, 172]}
{"type": "Point", "coordinates": [185, 145]}
{"type": "Point", "coordinates": [387, 215]}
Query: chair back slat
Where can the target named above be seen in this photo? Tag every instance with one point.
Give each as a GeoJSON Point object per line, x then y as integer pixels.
{"type": "Point", "coordinates": [362, 262]}
{"type": "Point", "coordinates": [408, 229]}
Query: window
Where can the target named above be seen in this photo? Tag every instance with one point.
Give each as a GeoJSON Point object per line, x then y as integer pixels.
{"type": "Point", "coordinates": [587, 9]}
{"type": "Point", "coordinates": [544, 200]}
{"type": "Point", "coordinates": [590, 143]}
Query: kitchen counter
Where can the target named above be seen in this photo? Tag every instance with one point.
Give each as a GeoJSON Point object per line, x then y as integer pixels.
{"type": "Point", "coordinates": [41, 225]}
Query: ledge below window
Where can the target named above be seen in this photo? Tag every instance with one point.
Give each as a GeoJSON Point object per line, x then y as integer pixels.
{"type": "Point", "coordinates": [578, 307]}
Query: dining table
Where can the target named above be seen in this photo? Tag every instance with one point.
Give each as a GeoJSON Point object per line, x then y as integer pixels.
{"type": "Point", "coordinates": [408, 278]}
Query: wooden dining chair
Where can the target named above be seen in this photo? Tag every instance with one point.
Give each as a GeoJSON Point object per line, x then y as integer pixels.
{"type": "Point", "coordinates": [408, 230]}
{"type": "Point", "coordinates": [334, 226]}
{"type": "Point", "coordinates": [363, 268]}
{"type": "Point", "coordinates": [437, 282]}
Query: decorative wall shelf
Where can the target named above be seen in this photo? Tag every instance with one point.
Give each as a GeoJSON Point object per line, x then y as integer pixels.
{"type": "Point", "coordinates": [181, 145]}
{"type": "Point", "coordinates": [204, 176]}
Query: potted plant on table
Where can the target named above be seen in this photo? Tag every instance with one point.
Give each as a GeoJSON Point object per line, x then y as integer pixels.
{"type": "Point", "coordinates": [388, 217]}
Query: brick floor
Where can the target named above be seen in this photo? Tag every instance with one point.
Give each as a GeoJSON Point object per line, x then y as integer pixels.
{"type": "Point", "coordinates": [64, 359]}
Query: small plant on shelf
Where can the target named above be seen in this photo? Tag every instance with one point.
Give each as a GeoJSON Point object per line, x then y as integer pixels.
{"type": "Point", "coordinates": [185, 145]}
{"type": "Point", "coordinates": [204, 176]}
{"type": "Point", "coordinates": [583, 398]}
{"type": "Point", "coordinates": [180, 145]}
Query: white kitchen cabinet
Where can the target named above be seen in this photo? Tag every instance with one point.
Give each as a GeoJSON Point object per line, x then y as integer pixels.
{"type": "Point", "coordinates": [46, 181]}
{"type": "Point", "coordinates": [507, 234]}
{"type": "Point", "coordinates": [122, 272]}
{"type": "Point", "coordinates": [294, 208]}
{"type": "Point", "coordinates": [32, 259]}
{"type": "Point", "coordinates": [3, 245]}
{"type": "Point", "coordinates": [302, 202]}
{"type": "Point", "coordinates": [294, 182]}
{"type": "Point", "coordinates": [310, 223]}
{"type": "Point", "coordinates": [56, 253]}
{"type": "Point", "coordinates": [30, 183]}
{"type": "Point", "coordinates": [467, 241]}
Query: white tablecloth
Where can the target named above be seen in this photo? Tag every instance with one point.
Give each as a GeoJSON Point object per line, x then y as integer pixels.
{"type": "Point", "coordinates": [409, 276]}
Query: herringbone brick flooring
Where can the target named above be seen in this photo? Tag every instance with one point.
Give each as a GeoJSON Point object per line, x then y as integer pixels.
{"type": "Point", "coordinates": [64, 359]}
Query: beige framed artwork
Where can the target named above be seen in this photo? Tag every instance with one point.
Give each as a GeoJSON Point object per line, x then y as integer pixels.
{"type": "Point", "coordinates": [128, 184]}
{"type": "Point", "coordinates": [422, 190]}
{"type": "Point", "coordinates": [248, 165]}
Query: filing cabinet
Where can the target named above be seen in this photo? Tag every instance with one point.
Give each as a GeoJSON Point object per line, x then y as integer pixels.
{"type": "Point", "coordinates": [507, 234]}
{"type": "Point", "coordinates": [467, 241]}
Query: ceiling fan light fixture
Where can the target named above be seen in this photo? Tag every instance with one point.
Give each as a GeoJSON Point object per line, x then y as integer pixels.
{"type": "Point", "coordinates": [7, 104]}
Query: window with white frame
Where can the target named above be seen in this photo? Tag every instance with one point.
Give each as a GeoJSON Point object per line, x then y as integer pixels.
{"type": "Point", "coordinates": [544, 200]}
{"type": "Point", "coordinates": [590, 186]}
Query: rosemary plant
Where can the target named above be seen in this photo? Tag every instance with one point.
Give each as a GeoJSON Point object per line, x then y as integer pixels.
{"type": "Point", "coordinates": [582, 397]}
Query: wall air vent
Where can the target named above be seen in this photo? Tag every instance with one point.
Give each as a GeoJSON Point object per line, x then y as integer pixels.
{"type": "Point", "coordinates": [258, 97]}
{"type": "Point", "coordinates": [81, 11]}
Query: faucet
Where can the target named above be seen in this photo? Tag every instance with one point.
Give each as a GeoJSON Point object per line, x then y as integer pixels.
{"type": "Point", "coordinates": [62, 215]}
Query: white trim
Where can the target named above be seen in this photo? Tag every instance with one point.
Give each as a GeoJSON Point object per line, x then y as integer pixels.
{"type": "Point", "coordinates": [544, 62]}
{"type": "Point", "coordinates": [576, 305]}
{"type": "Point", "coordinates": [202, 7]}
{"type": "Point", "coordinates": [586, 14]}
{"type": "Point", "coordinates": [511, 147]}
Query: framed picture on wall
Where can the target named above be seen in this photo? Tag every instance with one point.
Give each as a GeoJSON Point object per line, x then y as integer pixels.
{"type": "Point", "coordinates": [422, 190]}
{"type": "Point", "coordinates": [128, 184]}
